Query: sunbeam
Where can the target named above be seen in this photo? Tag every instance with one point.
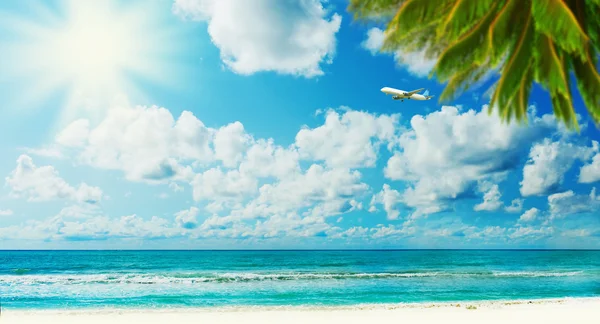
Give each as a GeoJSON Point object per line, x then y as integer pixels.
{"type": "Point", "coordinates": [89, 50]}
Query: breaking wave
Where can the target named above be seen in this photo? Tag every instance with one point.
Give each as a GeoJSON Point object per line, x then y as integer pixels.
{"type": "Point", "coordinates": [198, 278]}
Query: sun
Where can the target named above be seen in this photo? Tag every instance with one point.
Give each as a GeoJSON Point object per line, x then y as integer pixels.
{"type": "Point", "coordinates": [91, 50]}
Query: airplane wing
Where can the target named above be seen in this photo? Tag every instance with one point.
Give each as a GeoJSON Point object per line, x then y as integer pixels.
{"type": "Point", "coordinates": [410, 93]}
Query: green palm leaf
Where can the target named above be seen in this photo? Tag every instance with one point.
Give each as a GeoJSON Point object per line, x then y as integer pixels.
{"type": "Point", "coordinates": [468, 48]}
{"type": "Point", "coordinates": [514, 71]}
{"type": "Point", "coordinates": [554, 17]}
{"type": "Point", "coordinates": [463, 16]}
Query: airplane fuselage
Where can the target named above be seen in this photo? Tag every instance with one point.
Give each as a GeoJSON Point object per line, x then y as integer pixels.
{"type": "Point", "coordinates": [401, 94]}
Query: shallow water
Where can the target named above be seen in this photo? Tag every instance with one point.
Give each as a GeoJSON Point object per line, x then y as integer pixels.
{"type": "Point", "coordinates": [92, 279]}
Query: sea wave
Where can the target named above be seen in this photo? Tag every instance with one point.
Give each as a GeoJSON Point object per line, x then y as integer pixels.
{"type": "Point", "coordinates": [195, 278]}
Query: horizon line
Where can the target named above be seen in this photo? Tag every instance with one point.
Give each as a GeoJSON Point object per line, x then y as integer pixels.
{"type": "Point", "coordinates": [290, 250]}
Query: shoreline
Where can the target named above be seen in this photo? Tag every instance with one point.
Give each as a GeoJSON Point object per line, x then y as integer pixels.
{"type": "Point", "coordinates": [466, 304]}
{"type": "Point", "coordinates": [564, 310]}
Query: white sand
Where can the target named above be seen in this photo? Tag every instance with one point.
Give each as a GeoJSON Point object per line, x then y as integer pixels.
{"type": "Point", "coordinates": [568, 311]}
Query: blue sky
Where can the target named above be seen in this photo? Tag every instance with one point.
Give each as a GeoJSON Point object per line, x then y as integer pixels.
{"type": "Point", "coordinates": [203, 124]}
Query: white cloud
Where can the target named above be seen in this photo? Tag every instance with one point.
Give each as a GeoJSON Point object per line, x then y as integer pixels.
{"type": "Point", "coordinates": [491, 198]}
{"type": "Point", "coordinates": [515, 206]}
{"type": "Point", "coordinates": [375, 233]}
{"type": "Point", "coordinates": [51, 152]}
{"type": "Point", "coordinates": [85, 222]}
{"type": "Point", "coordinates": [146, 143]}
{"type": "Point", "coordinates": [214, 184]}
{"type": "Point", "coordinates": [531, 233]}
{"type": "Point", "coordinates": [334, 188]}
{"type": "Point", "coordinates": [447, 152]}
{"type": "Point", "coordinates": [187, 218]}
{"type": "Point", "coordinates": [591, 172]}
{"type": "Point", "coordinates": [389, 198]}
{"type": "Point", "coordinates": [415, 63]}
{"type": "Point", "coordinates": [44, 183]}
{"type": "Point", "coordinates": [548, 162]}
{"type": "Point", "coordinates": [75, 134]}
{"type": "Point", "coordinates": [289, 37]}
{"type": "Point", "coordinates": [265, 159]}
{"type": "Point", "coordinates": [568, 203]}
{"type": "Point", "coordinates": [290, 225]}
{"type": "Point", "coordinates": [255, 189]}
{"type": "Point", "coordinates": [374, 40]}
{"type": "Point", "coordinates": [529, 216]}
{"type": "Point", "coordinates": [230, 144]}
{"type": "Point", "coordinates": [349, 140]}
{"type": "Point", "coordinates": [6, 212]}
{"type": "Point", "coordinates": [296, 205]}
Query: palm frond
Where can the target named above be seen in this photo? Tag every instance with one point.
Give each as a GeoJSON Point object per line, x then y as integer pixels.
{"type": "Point", "coordinates": [504, 29]}
{"type": "Point", "coordinates": [515, 69]}
{"type": "Point", "coordinates": [523, 94]}
{"type": "Point", "coordinates": [563, 99]}
{"type": "Point", "coordinates": [462, 80]}
{"type": "Point", "coordinates": [466, 49]}
{"type": "Point", "coordinates": [549, 72]}
{"type": "Point", "coordinates": [413, 13]}
{"type": "Point", "coordinates": [374, 9]}
{"type": "Point", "coordinates": [588, 82]}
{"type": "Point", "coordinates": [517, 104]}
{"type": "Point", "coordinates": [555, 19]}
{"type": "Point", "coordinates": [463, 16]}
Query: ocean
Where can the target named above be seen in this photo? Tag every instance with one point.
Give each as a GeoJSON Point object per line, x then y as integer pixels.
{"type": "Point", "coordinates": [170, 279]}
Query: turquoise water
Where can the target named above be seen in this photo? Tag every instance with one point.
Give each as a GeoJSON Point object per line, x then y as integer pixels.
{"type": "Point", "coordinates": [158, 279]}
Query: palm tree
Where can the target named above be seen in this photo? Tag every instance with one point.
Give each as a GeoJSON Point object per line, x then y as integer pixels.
{"type": "Point", "coordinates": [524, 40]}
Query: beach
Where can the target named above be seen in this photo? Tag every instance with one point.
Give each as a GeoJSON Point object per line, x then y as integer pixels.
{"type": "Point", "coordinates": [577, 310]}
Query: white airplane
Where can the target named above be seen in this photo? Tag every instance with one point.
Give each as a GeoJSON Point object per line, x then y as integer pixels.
{"type": "Point", "coordinates": [401, 94]}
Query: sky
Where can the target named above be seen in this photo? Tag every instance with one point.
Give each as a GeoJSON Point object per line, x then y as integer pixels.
{"type": "Point", "coordinates": [260, 124]}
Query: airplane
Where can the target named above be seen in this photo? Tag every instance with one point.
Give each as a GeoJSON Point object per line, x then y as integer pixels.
{"type": "Point", "coordinates": [401, 94]}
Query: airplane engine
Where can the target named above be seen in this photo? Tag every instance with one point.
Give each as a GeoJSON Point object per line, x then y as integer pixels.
{"type": "Point", "coordinates": [395, 97]}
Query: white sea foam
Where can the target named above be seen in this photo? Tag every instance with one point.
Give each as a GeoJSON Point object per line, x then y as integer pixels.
{"type": "Point", "coordinates": [197, 278]}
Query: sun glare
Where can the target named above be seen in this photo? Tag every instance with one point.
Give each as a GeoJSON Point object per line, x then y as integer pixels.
{"type": "Point", "coordinates": [91, 50]}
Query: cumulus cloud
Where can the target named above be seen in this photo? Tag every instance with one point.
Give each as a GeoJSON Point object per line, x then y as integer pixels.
{"type": "Point", "coordinates": [85, 222]}
{"type": "Point", "coordinates": [548, 162]}
{"type": "Point", "coordinates": [215, 184]}
{"type": "Point", "coordinates": [529, 216]}
{"type": "Point", "coordinates": [230, 144]}
{"type": "Point", "coordinates": [253, 188]}
{"type": "Point", "coordinates": [415, 63]}
{"type": "Point", "coordinates": [591, 171]}
{"type": "Point", "coordinates": [568, 203]}
{"type": "Point", "coordinates": [349, 140]}
{"type": "Point", "coordinates": [288, 37]}
{"type": "Point", "coordinates": [328, 190]}
{"type": "Point", "coordinates": [6, 212]}
{"type": "Point", "coordinates": [491, 198]}
{"type": "Point", "coordinates": [44, 184]}
{"type": "Point", "coordinates": [266, 159]}
{"type": "Point", "coordinates": [187, 218]}
{"type": "Point", "coordinates": [446, 153]}
{"type": "Point", "coordinates": [146, 143]}
{"type": "Point", "coordinates": [531, 233]}
{"type": "Point", "coordinates": [516, 206]}
{"type": "Point", "coordinates": [389, 198]}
